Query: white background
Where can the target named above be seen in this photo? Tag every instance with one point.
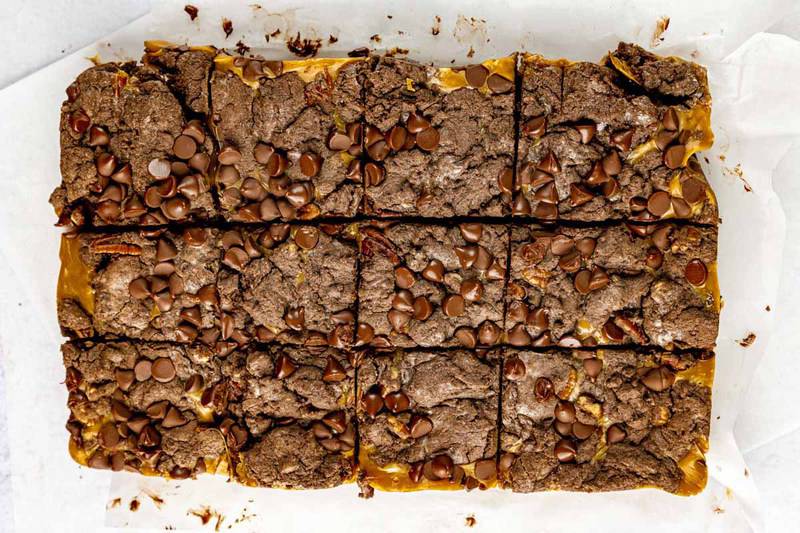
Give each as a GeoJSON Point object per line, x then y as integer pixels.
{"type": "Point", "coordinates": [34, 33]}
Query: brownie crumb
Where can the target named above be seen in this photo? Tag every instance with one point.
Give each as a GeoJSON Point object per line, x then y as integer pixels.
{"type": "Point", "coordinates": [303, 47]}
{"type": "Point", "coordinates": [191, 11]}
{"type": "Point", "coordinates": [748, 341]}
{"type": "Point", "coordinates": [227, 27]}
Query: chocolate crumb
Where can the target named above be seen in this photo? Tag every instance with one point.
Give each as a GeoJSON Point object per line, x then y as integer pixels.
{"type": "Point", "coordinates": [358, 52]}
{"type": "Point", "coordinates": [437, 21]}
{"type": "Point", "coordinates": [227, 27]}
{"type": "Point", "coordinates": [191, 11]}
{"type": "Point", "coordinates": [397, 51]}
{"type": "Point", "coordinates": [303, 47]}
{"type": "Point", "coordinates": [332, 39]}
{"type": "Point", "coordinates": [471, 52]}
{"type": "Point", "coordinates": [275, 33]}
{"type": "Point", "coordinates": [376, 38]}
{"type": "Point", "coordinates": [768, 309]}
{"type": "Point", "coordinates": [470, 521]}
{"type": "Point", "coordinates": [203, 514]}
{"type": "Point", "coordinates": [134, 506]}
{"type": "Point", "coordinates": [242, 48]}
{"type": "Point", "coordinates": [748, 341]}
{"type": "Point", "coordinates": [114, 503]}
{"type": "Point", "coordinates": [389, 17]}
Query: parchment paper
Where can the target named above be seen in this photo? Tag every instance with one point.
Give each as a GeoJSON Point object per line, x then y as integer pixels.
{"type": "Point", "coordinates": [754, 125]}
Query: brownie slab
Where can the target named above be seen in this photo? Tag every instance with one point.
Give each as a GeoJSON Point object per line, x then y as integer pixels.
{"type": "Point", "coordinates": [148, 407]}
{"type": "Point", "coordinates": [293, 284]}
{"type": "Point", "coordinates": [298, 406]}
{"type": "Point", "coordinates": [604, 420]}
{"type": "Point", "coordinates": [439, 142]}
{"type": "Point", "coordinates": [650, 285]}
{"type": "Point", "coordinates": [139, 284]}
{"type": "Point", "coordinates": [432, 285]}
{"type": "Point", "coordinates": [290, 133]}
{"type": "Point", "coordinates": [130, 154]}
{"type": "Point", "coordinates": [616, 142]}
{"type": "Point", "coordinates": [428, 420]}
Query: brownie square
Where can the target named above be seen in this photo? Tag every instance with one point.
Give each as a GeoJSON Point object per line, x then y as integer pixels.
{"type": "Point", "coordinates": [428, 420]}
{"type": "Point", "coordinates": [618, 143]}
{"type": "Point", "coordinates": [290, 135]}
{"type": "Point", "coordinates": [139, 285]}
{"type": "Point", "coordinates": [297, 405]}
{"type": "Point", "coordinates": [620, 284]}
{"type": "Point", "coordinates": [432, 285]}
{"type": "Point", "coordinates": [439, 142]}
{"type": "Point", "coordinates": [129, 152]}
{"type": "Point", "coordinates": [610, 419]}
{"type": "Point", "coordinates": [148, 407]}
{"type": "Point", "coordinates": [292, 284]}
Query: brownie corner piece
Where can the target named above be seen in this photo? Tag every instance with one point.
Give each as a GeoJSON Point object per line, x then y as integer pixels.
{"type": "Point", "coordinates": [611, 419]}
{"type": "Point", "coordinates": [431, 285]}
{"type": "Point", "coordinates": [298, 157]}
{"type": "Point", "coordinates": [129, 153]}
{"type": "Point", "coordinates": [648, 285]}
{"type": "Point", "coordinates": [439, 142]}
{"type": "Point", "coordinates": [616, 147]}
{"type": "Point", "coordinates": [428, 419]}
{"type": "Point", "coordinates": [289, 284]}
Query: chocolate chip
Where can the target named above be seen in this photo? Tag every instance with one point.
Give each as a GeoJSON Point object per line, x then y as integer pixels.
{"type": "Point", "coordinates": [284, 367]}
{"type": "Point", "coordinates": [654, 258]}
{"type": "Point", "coordinates": [184, 147]}
{"type": "Point", "coordinates": [514, 369]}
{"type": "Point", "coordinates": [535, 127]}
{"type": "Point", "coordinates": [499, 84]}
{"type": "Point", "coordinates": [670, 120]}
{"type": "Point", "coordinates": [306, 237]}
{"type": "Point", "coordinates": [228, 155]}
{"type": "Point", "coordinates": [417, 123]}
{"type": "Point", "coordinates": [466, 336]}
{"type": "Point", "coordinates": [295, 318]}
{"type": "Point", "coordinates": [277, 165]}
{"type": "Point", "coordinates": [485, 469]}
{"type": "Point", "coordinates": [428, 139]}
{"type": "Point", "coordinates": [453, 305]}
{"type": "Point", "coordinates": [622, 140]}
{"type": "Point", "coordinates": [364, 334]}
{"type": "Point", "coordinates": [518, 336]}
{"type": "Point", "coordinates": [422, 308]}
{"type": "Point", "coordinates": [396, 138]}
{"type": "Point", "coordinates": [139, 289]}
{"type": "Point", "coordinates": [673, 156]}
{"type": "Point", "coordinates": [658, 379]}
{"type": "Point", "coordinates": [79, 121]}
{"type": "Point", "coordinates": [434, 271]}
{"type": "Point", "coordinates": [476, 75]}
{"type": "Point", "coordinates": [579, 194]}
{"type": "Point", "coordinates": [174, 418]}
{"type": "Point", "coordinates": [159, 168]}
{"type": "Point", "coordinates": [338, 141]}
{"type": "Point", "coordinates": [372, 401]}
{"type": "Point", "coordinates": [543, 389]}
{"type": "Point", "coordinates": [612, 331]}
{"type": "Point", "coordinates": [420, 426]}
{"type": "Point", "coordinates": [398, 319]}
{"type": "Point", "coordinates": [582, 431]}
{"type": "Point", "coordinates": [488, 333]}
{"type": "Point", "coordinates": [163, 370]}
{"type": "Point", "coordinates": [520, 205]}
{"type": "Point", "coordinates": [396, 402]}
{"type": "Point", "coordinates": [176, 208]}
{"type": "Point", "coordinates": [587, 132]}
{"type": "Point", "coordinates": [659, 203]}
{"type": "Point", "coordinates": [374, 174]}
{"type": "Point", "coordinates": [471, 290]}
{"type": "Point", "coordinates": [143, 370]}
{"type": "Point", "coordinates": [300, 194]}
{"type": "Point", "coordinates": [336, 420]}
{"type": "Point", "coordinates": [98, 136]}
{"type": "Point", "coordinates": [124, 378]}
{"type": "Point", "coordinates": [440, 467]}
{"type": "Point", "coordinates": [615, 433]}
{"type": "Point", "coordinates": [693, 190]}
{"type": "Point", "coordinates": [681, 207]}
{"type": "Point", "coordinates": [696, 272]}
{"type": "Point", "coordinates": [310, 164]}
{"type": "Point", "coordinates": [505, 180]}
{"type": "Point", "coordinates": [612, 165]}
{"type": "Point", "coordinates": [565, 412]}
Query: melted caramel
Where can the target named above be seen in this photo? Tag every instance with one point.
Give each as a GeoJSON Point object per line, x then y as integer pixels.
{"type": "Point", "coordinates": [393, 477]}
{"type": "Point", "coordinates": [695, 471]}
{"type": "Point", "coordinates": [154, 48]}
{"type": "Point", "coordinates": [450, 79]}
{"type": "Point", "coordinates": [702, 373]}
{"type": "Point", "coordinates": [306, 69]}
{"type": "Point", "coordinates": [74, 278]}
{"type": "Point", "coordinates": [709, 291]}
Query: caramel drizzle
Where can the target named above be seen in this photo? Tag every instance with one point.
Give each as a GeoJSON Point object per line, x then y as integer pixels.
{"type": "Point", "coordinates": [306, 69]}
{"type": "Point", "coordinates": [75, 277]}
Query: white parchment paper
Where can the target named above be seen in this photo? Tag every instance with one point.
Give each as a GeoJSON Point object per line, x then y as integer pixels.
{"type": "Point", "coordinates": [752, 76]}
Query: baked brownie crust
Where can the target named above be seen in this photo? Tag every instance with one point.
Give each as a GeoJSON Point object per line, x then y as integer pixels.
{"type": "Point", "coordinates": [621, 284]}
{"type": "Point", "coordinates": [424, 412]}
{"type": "Point", "coordinates": [429, 285]}
{"type": "Point", "coordinates": [139, 285]}
{"type": "Point", "coordinates": [604, 420]}
{"type": "Point", "coordinates": [280, 126]}
{"type": "Point", "coordinates": [129, 152]}
{"type": "Point", "coordinates": [614, 144]}
{"type": "Point", "coordinates": [296, 284]}
{"type": "Point", "coordinates": [439, 140]}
